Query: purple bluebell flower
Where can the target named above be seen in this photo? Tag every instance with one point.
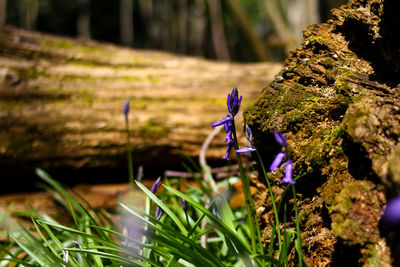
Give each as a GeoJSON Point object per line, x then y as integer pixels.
{"type": "Point", "coordinates": [156, 185]}
{"type": "Point", "coordinates": [249, 134]}
{"type": "Point", "coordinates": [159, 213]}
{"type": "Point", "coordinates": [288, 179]}
{"type": "Point", "coordinates": [277, 161]}
{"type": "Point", "coordinates": [281, 139]}
{"type": "Point", "coordinates": [228, 130]}
{"type": "Point", "coordinates": [126, 108]}
{"type": "Point", "coordinates": [391, 215]}
{"type": "Point", "coordinates": [223, 121]}
{"type": "Point", "coordinates": [228, 150]}
{"type": "Point", "coordinates": [184, 204]}
{"type": "Point", "coordinates": [76, 243]}
{"type": "Point", "coordinates": [233, 102]}
{"type": "Point", "coordinates": [246, 150]}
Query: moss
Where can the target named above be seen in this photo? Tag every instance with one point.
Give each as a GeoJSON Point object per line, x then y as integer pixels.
{"type": "Point", "coordinates": [56, 43]}
{"type": "Point", "coordinates": [355, 213]}
{"type": "Point", "coordinates": [153, 129]}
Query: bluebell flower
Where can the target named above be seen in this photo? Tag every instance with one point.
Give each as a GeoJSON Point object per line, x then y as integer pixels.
{"type": "Point", "coordinates": [222, 121]}
{"type": "Point", "coordinates": [184, 204]}
{"type": "Point", "coordinates": [246, 150]}
{"type": "Point", "coordinates": [228, 150]}
{"type": "Point", "coordinates": [249, 134]}
{"type": "Point", "coordinates": [156, 185]}
{"type": "Point", "coordinates": [126, 108]}
{"type": "Point", "coordinates": [391, 215]}
{"type": "Point", "coordinates": [288, 179]}
{"type": "Point", "coordinates": [233, 102]}
{"type": "Point", "coordinates": [277, 161]}
{"type": "Point", "coordinates": [250, 147]}
{"type": "Point", "coordinates": [159, 213]}
{"type": "Point", "coordinates": [281, 139]}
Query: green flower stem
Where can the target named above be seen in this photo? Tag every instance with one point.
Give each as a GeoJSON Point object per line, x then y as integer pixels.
{"type": "Point", "coordinates": [251, 210]}
{"type": "Point", "coordinates": [272, 199]}
{"type": "Point", "coordinates": [299, 252]}
{"type": "Point", "coordinates": [130, 164]}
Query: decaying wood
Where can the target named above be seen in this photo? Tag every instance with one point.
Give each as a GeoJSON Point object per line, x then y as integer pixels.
{"type": "Point", "coordinates": [337, 101]}
{"type": "Point", "coordinates": [61, 104]}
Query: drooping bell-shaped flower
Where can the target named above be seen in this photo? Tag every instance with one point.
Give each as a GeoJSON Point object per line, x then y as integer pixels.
{"type": "Point", "coordinates": [159, 213]}
{"type": "Point", "coordinates": [184, 204]}
{"type": "Point", "coordinates": [246, 150]}
{"type": "Point", "coordinates": [156, 185]}
{"type": "Point", "coordinates": [228, 150]}
{"type": "Point", "coordinates": [233, 101]}
{"type": "Point", "coordinates": [223, 121]}
{"type": "Point", "coordinates": [277, 161]}
{"type": "Point", "coordinates": [249, 134]}
{"type": "Point", "coordinates": [126, 108]}
{"type": "Point", "coordinates": [281, 139]}
{"type": "Point", "coordinates": [391, 215]}
{"type": "Point", "coordinates": [288, 179]}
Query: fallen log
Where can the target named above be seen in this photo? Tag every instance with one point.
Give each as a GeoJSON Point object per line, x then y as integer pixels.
{"type": "Point", "coordinates": [61, 106]}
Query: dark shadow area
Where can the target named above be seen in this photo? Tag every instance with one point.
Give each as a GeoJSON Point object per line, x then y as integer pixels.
{"type": "Point", "coordinates": [20, 176]}
{"type": "Point", "coordinates": [346, 255]}
{"type": "Point", "coordinates": [392, 238]}
{"type": "Point", "coordinates": [380, 48]}
{"type": "Point", "coordinates": [359, 165]}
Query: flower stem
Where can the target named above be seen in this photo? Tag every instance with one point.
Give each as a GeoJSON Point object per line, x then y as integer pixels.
{"type": "Point", "coordinates": [251, 211]}
{"type": "Point", "coordinates": [130, 163]}
{"type": "Point", "coordinates": [272, 200]}
{"type": "Point", "coordinates": [299, 251]}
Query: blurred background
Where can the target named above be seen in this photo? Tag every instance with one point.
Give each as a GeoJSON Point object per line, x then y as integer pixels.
{"type": "Point", "coordinates": [229, 30]}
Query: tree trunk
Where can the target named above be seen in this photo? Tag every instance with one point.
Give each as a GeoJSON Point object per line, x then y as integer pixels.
{"type": "Point", "coordinates": [83, 22]}
{"type": "Point", "coordinates": [255, 43]}
{"type": "Point", "coordinates": [3, 12]}
{"type": "Point", "coordinates": [336, 100]}
{"type": "Point", "coordinates": [217, 30]}
{"type": "Point", "coordinates": [61, 106]}
{"type": "Point", "coordinates": [126, 22]}
{"type": "Point", "coordinates": [28, 11]}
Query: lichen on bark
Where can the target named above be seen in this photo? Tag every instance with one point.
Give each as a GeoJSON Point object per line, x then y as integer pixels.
{"type": "Point", "coordinates": [340, 113]}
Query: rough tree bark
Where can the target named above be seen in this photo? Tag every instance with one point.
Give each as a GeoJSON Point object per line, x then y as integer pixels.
{"type": "Point", "coordinates": [337, 101]}
{"type": "Point", "coordinates": [61, 106]}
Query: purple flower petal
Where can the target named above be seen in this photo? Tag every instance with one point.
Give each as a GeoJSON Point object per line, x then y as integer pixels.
{"type": "Point", "coordinates": [126, 108]}
{"type": "Point", "coordinates": [156, 185]}
{"type": "Point", "coordinates": [391, 215]}
{"type": "Point", "coordinates": [225, 120]}
{"type": "Point", "coordinates": [233, 101]}
{"type": "Point", "coordinates": [280, 138]}
{"type": "Point", "coordinates": [159, 213]}
{"type": "Point", "coordinates": [245, 150]}
{"type": "Point", "coordinates": [249, 134]}
{"type": "Point", "coordinates": [228, 150]}
{"type": "Point", "coordinates": [184, 204]}
{"type": "Point", "coordinates": [277, 161]}
{"type": "Point", "coordinates": [288, 179]}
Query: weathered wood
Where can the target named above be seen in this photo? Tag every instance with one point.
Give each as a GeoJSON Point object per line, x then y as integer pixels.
{"type": "Point", "coordinates": [337, 101]}
{"type": "Point", "coordinates": [61, 104]}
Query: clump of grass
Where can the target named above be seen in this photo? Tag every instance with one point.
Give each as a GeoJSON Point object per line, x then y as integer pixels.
{"type": "Point", "coordinates": [175, 225]}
